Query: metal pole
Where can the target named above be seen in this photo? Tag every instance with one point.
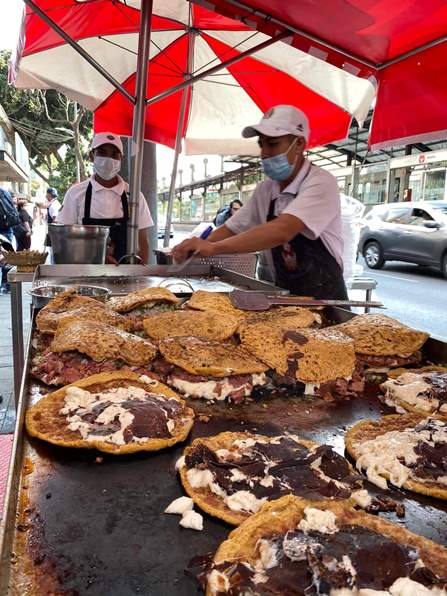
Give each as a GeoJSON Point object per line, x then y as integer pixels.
{"type": "Point", "coordinates": [78, 165]}
{"type": "Point", "coordinates": [178, 140]}
{"type": "Point", "coordinates": [137, 143]}
{"type": "Point", "coordinates": [79, 49]}
{"type": "Point", "coordinates": [206, 73]}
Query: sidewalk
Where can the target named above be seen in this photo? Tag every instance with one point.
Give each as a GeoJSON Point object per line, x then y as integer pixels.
{"type": "Point", "coordinates": [7, 402]}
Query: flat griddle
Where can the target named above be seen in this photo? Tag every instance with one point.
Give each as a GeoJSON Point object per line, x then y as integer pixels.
{"type": "Point", "coordinates": [79, 525]}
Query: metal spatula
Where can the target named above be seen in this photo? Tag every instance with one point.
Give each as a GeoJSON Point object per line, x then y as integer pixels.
{"type": "Point", "coordinates": [262, 301]}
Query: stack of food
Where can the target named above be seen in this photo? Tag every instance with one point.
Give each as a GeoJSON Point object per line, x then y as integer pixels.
{"type": "Point", "coordinates": [82, 347]}
{"type": "Point", "coordinates": [138, 305]}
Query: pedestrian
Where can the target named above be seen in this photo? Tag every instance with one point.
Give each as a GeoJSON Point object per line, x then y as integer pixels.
{"type": "Point", "coordinates": [23, 230]}
{"type": "Point", "coordinates": [226, 212]}
{"type": "Point", "coordinates": [294, 216]}
{"type": "Point", "coordinates": [103, 199]}
{"type": "Point", "coordinates": [5, 247]}
{"type": "Point", "coordinates": [9, 216]}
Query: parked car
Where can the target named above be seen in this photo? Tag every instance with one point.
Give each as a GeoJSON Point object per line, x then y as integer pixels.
{"type": "Point", "coordinates": [414, 232]}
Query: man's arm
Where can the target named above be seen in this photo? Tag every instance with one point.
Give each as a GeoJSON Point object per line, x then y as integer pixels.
{"type": "Point", "coordinates": [262, 237]}
{"type": "Point", "coordinates": [143, 245]}
{"type": "Point", "coordinates": [220, 233]}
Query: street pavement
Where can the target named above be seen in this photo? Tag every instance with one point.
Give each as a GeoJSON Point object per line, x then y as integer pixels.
{"type": "Point", "coordinates": [415, 295]}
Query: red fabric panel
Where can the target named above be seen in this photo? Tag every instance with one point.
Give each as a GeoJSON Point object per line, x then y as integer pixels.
{"type": "Point", "coordinates": [374, 30]}
{"type": "Point", "coordinates": [116, 113]}
{"type": "Point", "coordinates": [412, 100]}
{"type": "Point", "coordinates": [206, 19]}
{"type": "Point", "coordinates": [86, 20]}
{"type": "Point", "coordinates": [268, 87]}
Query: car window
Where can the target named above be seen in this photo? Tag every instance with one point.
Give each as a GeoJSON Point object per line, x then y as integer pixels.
{"type": "Point", "coordinates": [376, 214]}
{"type": "Point", "coordinates": [419, 216]}
{"type": "Point", "coordinates": [398, 216]}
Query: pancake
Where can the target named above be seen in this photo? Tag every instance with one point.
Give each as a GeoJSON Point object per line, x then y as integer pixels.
{"type": "Point", "coordinates": [126, 303]}
{"type": "Point", "coordinates": [408, 450]}
{"type": "Point", "coordinates": [420, 392]}
{"type": "Point", "coordinates": [379, 335]}
{"type": "Point", "coordinates": [209, 358]}
{"type": "Point", "coordinates": [48, 321]}
{"type": "Point", "coordinates": [102, 342]}
{"type": "Point", "coordinates": [305, 355]}
{"type": "Point", "coordinates": [215, 302]}
{"type": "Point", "coordinates": [114, 412]}
{"type": "Point", "coordinates": [182, 323]}
{"type": "Point", "coordinates": [292, 546]}
{"type": "Point", "coordinates": [232, 474]}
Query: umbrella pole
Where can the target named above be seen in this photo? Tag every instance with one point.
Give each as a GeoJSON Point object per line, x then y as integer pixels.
{"type": "Point", "coordinates": [139, 115]}
{"type": "Point", "coordinates": [178, 141]}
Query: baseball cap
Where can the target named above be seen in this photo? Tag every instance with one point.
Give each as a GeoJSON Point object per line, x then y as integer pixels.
{"type": "Point", "coordinates": [52, 191]}
{"type": "Point", "coordinates": [280, 120]}
{"type": "Point", "coordinates": [107, 138]}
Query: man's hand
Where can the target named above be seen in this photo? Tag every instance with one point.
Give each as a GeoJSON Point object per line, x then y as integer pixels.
{"type": "Point", "coordinates": [183, 250]}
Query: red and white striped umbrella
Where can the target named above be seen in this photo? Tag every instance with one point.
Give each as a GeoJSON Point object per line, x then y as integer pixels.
{"type": "Point", "coordinates": [186, 40]}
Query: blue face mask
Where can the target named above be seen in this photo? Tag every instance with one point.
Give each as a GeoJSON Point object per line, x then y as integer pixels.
{"type": "Point", "coordinates": [278, 166]}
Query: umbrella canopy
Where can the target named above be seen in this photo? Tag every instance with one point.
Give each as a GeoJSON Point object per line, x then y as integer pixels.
{"type": "Point", "coordinates": [402, 44]}
{"type": "Point", "coordinates": [186, 41]}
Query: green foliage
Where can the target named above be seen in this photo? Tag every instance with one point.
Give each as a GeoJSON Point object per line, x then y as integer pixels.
{"type": "Point", "coordinates": [46, 122]}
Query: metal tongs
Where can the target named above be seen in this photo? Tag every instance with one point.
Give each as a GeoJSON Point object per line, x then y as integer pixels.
{"type": "Point", "coordinates": [245, 300]}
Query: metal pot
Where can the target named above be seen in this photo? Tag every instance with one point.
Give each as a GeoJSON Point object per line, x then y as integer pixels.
{"type": "Point", "coordinates": [44, 294]}
{"type": "Point", "coordinates": [78, 244]}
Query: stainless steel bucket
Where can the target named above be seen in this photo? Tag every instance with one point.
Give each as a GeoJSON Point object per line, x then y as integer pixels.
{"type": "Point", "coordinates": [78, 244]}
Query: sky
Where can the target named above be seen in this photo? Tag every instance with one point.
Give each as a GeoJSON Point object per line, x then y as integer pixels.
{"type": "Point", "coordinates": [9, 27]}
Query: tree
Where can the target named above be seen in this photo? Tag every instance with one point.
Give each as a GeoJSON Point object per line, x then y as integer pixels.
{"type": "Point", "coordinates": [53, 128]}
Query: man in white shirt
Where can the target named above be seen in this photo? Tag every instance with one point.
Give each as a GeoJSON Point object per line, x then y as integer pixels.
{"type": "Point", "coordinates": [294, 216]}
{"type": "Point", "coordinates": [103, 199]}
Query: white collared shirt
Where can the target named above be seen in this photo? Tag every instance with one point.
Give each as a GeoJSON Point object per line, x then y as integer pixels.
{"type": "Point", "coordinates": [106, 204]}
{"type": "Point", "coordinates": [312, 196]}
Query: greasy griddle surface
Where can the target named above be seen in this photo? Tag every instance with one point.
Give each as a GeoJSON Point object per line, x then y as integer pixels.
{"type": "Point", "coordinates": [99, 528]}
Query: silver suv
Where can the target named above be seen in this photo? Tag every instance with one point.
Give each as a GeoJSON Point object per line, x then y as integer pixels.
{"type": "Point", "coordinates": [412, 232]}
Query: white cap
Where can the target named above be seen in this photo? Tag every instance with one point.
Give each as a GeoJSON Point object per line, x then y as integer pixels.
{"type": "Point", "coordinates": [107, 138]}
{"type": "Point", "coordinates": [278, 121]}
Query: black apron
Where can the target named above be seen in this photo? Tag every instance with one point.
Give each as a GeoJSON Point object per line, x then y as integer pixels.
{"type": "Point", "coordinates": [118, 226]}
{"type": "Point", "coordinates": [305, 267]}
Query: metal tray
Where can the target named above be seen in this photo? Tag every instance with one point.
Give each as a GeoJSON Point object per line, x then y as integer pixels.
{"type": "Point", "coordinates": [74, 525]}
{"type": "Point", "coordinates": [128, 278]}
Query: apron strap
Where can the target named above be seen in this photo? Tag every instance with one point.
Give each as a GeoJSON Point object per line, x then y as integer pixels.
{"type": "Point", "coordinates": [88, 201]}
{"type": "Point", "coordinates": [125, 205]}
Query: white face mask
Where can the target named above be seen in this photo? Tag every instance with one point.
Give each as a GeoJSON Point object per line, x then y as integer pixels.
{"type": "Point", "coordinates": [106, 167]}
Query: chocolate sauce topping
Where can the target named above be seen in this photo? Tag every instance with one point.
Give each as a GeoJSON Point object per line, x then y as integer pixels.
{"type": "Point", "coordinates": [289, 465]}
{"type": "Point", "coordinates": [294, 336]}
{"type": "Point", "coordinates": [150, 418]}
{"type": "Point", "coordinates": [438, 386]}
{"type": "Point", "coordinates": [432, 460]}
{"type": "Point", "coordinates": [307, 561]}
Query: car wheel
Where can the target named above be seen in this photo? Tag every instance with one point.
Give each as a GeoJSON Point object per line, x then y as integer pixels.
{"type": "Point", "coordinates": [373, 255]}
{"type": "Point", "coordinates": [444, 266]}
